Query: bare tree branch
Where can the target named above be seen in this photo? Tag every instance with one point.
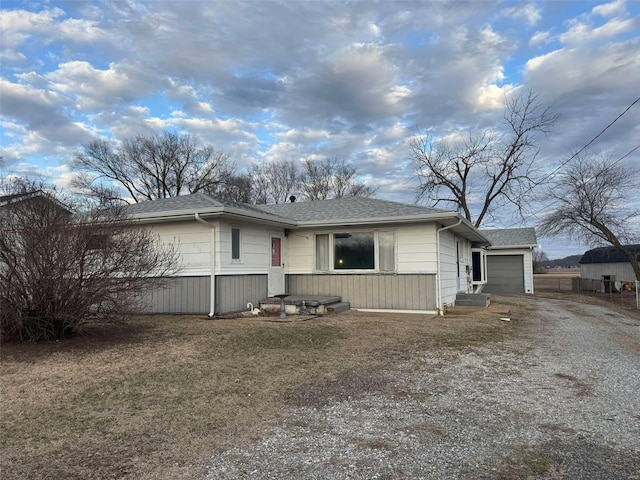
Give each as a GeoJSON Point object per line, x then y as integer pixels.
{"type": "Point", "coordinates": [149, 167]}
{"type": "Point", "coordinates": [594, 202]}
{"type": "Point", "coordinates": [475, 174]}
{"type": "Point", "coordinates": [58, 271]}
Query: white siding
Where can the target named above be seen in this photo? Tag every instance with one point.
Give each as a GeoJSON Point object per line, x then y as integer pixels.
{"type": "Point", "coordinates": [527, 258]}
{"type": "Point", "coordinates": [300, 247]}
{"type": "Point", "coordinates": [193, 242]}
{"type": "Point", "coordinates": [622, 271]}
{"type": "Point", "coordinates": [254, 249]}
{"type": "Point", "coordinates": [416, 246]}
{"type": "Point", "coordinates": [448, 274]}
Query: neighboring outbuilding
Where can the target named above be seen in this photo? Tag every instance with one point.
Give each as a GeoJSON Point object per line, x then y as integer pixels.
{"type": "Point", "coordinates": [509, 260]}
{"type": "Point", "coordinates": [609, 264]}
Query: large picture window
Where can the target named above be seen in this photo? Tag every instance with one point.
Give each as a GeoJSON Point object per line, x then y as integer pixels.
{"type": "Point", "coordinates": [355, 251]}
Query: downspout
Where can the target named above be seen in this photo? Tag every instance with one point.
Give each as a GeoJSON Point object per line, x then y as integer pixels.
{"type": "Point", "coordinates": [438, 275]}
{"type": "Point", "coordinates": [212, 294]}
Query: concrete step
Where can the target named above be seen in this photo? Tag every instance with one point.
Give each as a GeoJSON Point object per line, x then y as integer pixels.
{"type": "Point", "coordinates": [473, 299]}
{"type": "Point", "coordinates": [338, 307]}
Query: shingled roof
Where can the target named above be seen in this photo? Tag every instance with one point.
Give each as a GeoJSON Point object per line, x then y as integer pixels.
{"type": "Point", "coordinates": [608, 255]}
{"type": "Point", "coordinates": [346, 211]}
{"type": "Point", "coordinates": [347, 208]}
{"type": "Point", "coordinates": [196, 202]}
{"type": "Point", "coordinates": [511, 237]}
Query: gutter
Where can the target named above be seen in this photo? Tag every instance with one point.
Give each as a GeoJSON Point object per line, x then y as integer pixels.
{"type": "Point", "coordinates": [439, 306]}
{"type": "Point", "coordinates": [212, 295]}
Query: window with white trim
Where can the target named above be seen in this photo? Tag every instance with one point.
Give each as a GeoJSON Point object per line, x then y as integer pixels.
{"type": "Point", "coordinates": [348, 251]}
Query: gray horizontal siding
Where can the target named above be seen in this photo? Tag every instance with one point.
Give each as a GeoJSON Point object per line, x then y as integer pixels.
{"type": "Point", "coordinates": [380, 291]}
{"type": "Point", "coordinates": [234, 291]}
{"type": "Point", "coordinates": [191, 294]}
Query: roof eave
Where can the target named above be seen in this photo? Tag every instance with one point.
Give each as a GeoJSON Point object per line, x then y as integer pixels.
{"type": "Point", "coordinates": [372, 220]}
{"type": "Point", "coordinates": [512, 247]}
{"type": "Point", "coordinates": [215, 212]}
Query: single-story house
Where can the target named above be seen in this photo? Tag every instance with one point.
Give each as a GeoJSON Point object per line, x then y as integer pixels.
{"type": "Point", "coordinates": [509, 258]}
{"type": "Point", "coordinates": [374, 254]}
{"type": "Point", "coordinates": [608, 263]}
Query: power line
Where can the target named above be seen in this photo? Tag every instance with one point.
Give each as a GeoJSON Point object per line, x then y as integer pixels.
{"type": "Point", "coordinates": [563, 164]}
{"type": "Point", "coordinates": [557, 200]}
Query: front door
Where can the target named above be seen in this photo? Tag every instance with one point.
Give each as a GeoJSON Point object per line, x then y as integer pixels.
{"type": "Point", "coordinates": [276, 267]}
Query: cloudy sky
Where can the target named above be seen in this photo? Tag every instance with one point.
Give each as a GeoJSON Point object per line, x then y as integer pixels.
{"type": "Point", "coordinates": [267, 80]}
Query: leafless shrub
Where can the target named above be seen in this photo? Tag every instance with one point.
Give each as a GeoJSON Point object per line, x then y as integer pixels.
{"type": "Point", "coordinates": [59, 270]}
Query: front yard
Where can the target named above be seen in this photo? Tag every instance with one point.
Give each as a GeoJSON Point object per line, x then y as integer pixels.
{"type": "Point", "coordinates": [156, 398]}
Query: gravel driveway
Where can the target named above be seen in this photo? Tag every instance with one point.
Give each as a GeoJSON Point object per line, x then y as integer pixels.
{"type": "Point", "coordinates": [561, 399]}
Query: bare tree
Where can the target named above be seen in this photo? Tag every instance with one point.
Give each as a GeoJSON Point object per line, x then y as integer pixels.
{"type": "Point", "coordinates": [539, 259]}
{"type": "Point", "coordinates": [149, 167]}
{"type": "Point", "coordinates": [485, 171]}
{"type": "Point", "coordinates": [596, 200]}
{"type": "Point", "coordinates": [237, 188]}
{"type": "Point", "coordinates": [331, 178]}
{"type": "Point", "coordinates": [274, 181]}
{"type": "Point", "coordinates": [316, 179]}
{"type": "Point", "coordinates": [58, 270]}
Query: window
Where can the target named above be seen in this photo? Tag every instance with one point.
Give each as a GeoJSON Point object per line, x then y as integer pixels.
{"type": "Point", "coordinates": [235, 244]}
{"type": "Point", "coordinates": [276, 252]}
{"type": "Point", "coordinates": [98, 241]}
{"type": "Point", "coordinates": [356, 251]}
{"type": "Point", "coordinates": [353, 251]}
{"type": "Point", "coordinates": [322, 252]}
{"type": "Point", "coordinates": [386, 246]}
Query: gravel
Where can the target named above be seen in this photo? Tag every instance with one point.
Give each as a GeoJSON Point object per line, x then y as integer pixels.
{"type": "Point", "coordinates": [561, 399]}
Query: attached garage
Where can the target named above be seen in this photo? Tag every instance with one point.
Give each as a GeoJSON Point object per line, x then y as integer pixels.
{"type": "Point", "coordinates": [505, 274]}
{"type": "Point", "coordinates": [509, 260]}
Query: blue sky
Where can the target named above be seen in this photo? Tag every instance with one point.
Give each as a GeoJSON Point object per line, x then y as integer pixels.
{"type": "Point", "coordinates": [355, 80]}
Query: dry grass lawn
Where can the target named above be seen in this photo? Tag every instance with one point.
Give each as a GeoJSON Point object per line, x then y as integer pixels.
{"type": "Point", "coordinates": [154, 398]}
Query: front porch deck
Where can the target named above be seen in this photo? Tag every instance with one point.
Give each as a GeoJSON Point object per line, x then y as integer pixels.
{"type": "Point", "coordinates": [305, 304]}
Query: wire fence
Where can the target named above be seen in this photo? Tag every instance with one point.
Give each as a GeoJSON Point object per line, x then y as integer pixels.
{"type": "Point", "coordinates": [625, 293]}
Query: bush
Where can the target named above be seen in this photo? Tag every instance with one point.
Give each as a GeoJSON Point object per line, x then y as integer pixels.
{"type": "Point", "coordinates": [59, 270]}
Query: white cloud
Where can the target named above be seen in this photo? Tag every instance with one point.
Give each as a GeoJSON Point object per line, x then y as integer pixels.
{"type": "Point", "coordinates": [539, 37]}
{"type": "Point", "coordinates": [95, 89]}
{"type": "Point", "coordinates": [22, 26]}
{"type": "Point", "coordinates": [527, 12]}
{"type": "Point", "coordinates": [581, 32]}
{"type": "Point", "coordinates": [610, 9]}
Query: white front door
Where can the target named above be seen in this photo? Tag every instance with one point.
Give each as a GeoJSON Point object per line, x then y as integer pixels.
{"type": "Point", "coordinates": [276, 267]}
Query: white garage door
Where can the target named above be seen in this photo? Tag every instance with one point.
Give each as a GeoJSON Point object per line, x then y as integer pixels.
{"type": "Point", "coordinates": [505, 274]}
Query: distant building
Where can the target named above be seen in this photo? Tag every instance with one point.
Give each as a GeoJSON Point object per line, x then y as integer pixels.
{"type": "Point", "coordinates": [608, 262]}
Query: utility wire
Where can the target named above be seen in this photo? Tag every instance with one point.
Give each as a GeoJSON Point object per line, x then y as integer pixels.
{"type": "Point", "coordinates": [563, 164]}
{"type": "Point", "coordinates": [535, 214]}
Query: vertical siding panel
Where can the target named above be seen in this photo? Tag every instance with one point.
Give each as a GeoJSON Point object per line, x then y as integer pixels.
{"type": "Point", "coordinates": [403, 293]}
{"type": "Point", "coordinates": [167, 298]}
{"type": "Point", "coordinates": [368, 291]}
{"type": "Point", "coordinates": [383, 291]}
{"type": "Point", "coordinates": [388, 292]}
{"type": "Point", "coordinates": [415, 292]}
